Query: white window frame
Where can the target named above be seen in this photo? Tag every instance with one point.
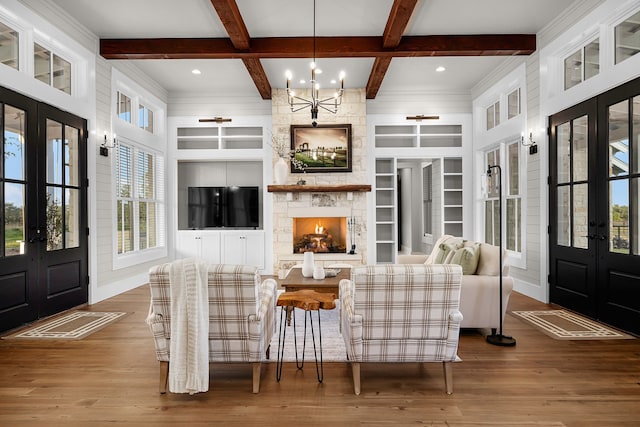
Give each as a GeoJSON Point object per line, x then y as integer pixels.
{"type": "Point", "coordinates": [135, 198]}
{"type": "Point", "coordinates": [140, 140]}
{"type": "Point", "coordinates": [516, 257]}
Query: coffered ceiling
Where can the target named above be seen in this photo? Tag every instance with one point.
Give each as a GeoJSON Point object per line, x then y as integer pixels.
{"type": "Point", "coordinates": [244, 47]}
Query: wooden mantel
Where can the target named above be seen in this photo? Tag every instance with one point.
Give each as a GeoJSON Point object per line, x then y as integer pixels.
{"type": "Point", "coordinates": [347, 188]}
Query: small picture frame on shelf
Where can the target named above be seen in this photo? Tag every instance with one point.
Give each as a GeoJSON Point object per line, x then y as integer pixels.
{"type": "Point", "coordinates": [321, 148]}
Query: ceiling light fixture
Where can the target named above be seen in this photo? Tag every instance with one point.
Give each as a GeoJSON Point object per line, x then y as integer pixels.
{"type": "Point", "coordinates": [315, 103]}
{"type": "Point", "coordinates": [440, 69]}
{"type": "Point", "coordinates": [196, 71]}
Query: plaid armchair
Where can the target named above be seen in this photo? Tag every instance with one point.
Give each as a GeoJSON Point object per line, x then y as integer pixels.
{"type": "Point", "coordinates": [241, 316]}
{"type": "Point", "coordinates": [401, 313]}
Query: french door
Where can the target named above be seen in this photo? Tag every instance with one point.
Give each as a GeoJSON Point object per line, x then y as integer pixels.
{"type": "Point", "coordinates": [43, 232]}
{"type": "Point", "coordinates": [594, 215]}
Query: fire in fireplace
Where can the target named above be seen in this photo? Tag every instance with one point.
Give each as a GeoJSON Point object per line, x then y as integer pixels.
{"type": "Point", "coordinates": [328, 234]}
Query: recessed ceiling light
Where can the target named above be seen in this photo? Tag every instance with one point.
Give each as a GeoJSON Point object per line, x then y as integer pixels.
{"type": "Point", "coordinates": [196, 71]}
{"type": "Point", "coordinates": [302, 81]}
{"type": "Point", "coordinates": [440, 69]}
{"type": "Point", "coordinates": [333, 81]}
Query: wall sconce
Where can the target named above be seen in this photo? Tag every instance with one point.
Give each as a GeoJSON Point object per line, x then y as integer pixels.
{"type": "Point", "coordinates": [533, 148]}
{"type": "Point", "coordinates": [421, 117]}
{"type": "Point", "coordinates": [215, 120]}
{"type": "Point", "coordinates": [104, 147]}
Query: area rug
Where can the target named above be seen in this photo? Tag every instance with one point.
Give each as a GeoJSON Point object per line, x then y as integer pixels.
{"type": "Point", "coordinates": [565, 325]}
{"type": "Point", "coordinates": [72, 326]}
{"type": "Point", "coordinates": [333, 349]}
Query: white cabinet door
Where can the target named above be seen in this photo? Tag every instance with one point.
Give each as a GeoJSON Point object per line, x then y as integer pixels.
{"type": "Point", "coordinates": [210, 247]}
{"type": "Point", "coordinates": [246, 248]}
{"type": "Point", "coordinates": [199, 244]}
{"type": "Point", "coordinates": [188, 245]}
{"type": "Point", "coordinates": [254, 254]}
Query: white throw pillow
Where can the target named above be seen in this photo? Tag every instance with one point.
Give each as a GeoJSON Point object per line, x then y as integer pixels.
{"type": "Point", "coordinates": [489, 263]}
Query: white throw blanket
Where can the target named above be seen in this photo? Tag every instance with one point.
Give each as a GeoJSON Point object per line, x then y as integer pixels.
{"type": "Point", "coordinates": [189, 352]}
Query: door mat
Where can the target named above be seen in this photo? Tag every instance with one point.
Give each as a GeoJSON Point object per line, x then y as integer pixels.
{"type": "Point", "coordinates": [72, 326]}
{"type": "Point", "coordinates": [565, 325]}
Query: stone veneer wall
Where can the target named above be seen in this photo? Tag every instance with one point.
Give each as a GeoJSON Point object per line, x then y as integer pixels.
{"type": "Point", "coordinates": [353, 111]}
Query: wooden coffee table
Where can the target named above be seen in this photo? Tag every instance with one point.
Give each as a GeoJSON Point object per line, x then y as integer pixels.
{"type": "Point", "coordinates": [295, 281]}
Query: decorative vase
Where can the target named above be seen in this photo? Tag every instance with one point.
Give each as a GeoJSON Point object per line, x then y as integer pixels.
{"type": "Point", "coordinates": [281, 171]}
{"type": "Point", "coordinates": [308, 265]}
{"type": "Point", "coordinates": [318, 273]}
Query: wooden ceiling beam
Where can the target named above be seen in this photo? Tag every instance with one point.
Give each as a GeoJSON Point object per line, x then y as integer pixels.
{"type": "Point", "coordinates": [259, 77]}
{"type": "Point", "coordinates": [399, 16]}
{"type": "Point", "coordinates": [378, 71]}
{"type": "Point", "coordinates": [231, 18]}
{"type": "Point", "coordinates": [327, 47]}
{"type": "Point", "coordinates": [401, 12]}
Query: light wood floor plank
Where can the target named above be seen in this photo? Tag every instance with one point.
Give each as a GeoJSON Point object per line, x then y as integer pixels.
{"type": "Point", "coordinates": [112, 377]}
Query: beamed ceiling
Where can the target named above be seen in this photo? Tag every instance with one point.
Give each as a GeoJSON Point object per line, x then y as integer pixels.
{"type": "Point", "coordinates": [370, 38]}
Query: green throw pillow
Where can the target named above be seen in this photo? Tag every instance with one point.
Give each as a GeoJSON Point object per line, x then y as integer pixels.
{"type": "Point", "coordinates": [467, 258]}
{"type": "Point", "coordinates": [443, 253]}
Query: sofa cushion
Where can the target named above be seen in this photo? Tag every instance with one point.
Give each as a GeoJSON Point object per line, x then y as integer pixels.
{"type": "Point", "coordinates": [467, 257]}
{"type": "Point", "coordinates": [489, 263]}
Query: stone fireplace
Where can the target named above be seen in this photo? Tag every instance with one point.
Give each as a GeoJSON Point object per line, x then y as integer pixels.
{"type": "Point", "coordinates": [325, 195]}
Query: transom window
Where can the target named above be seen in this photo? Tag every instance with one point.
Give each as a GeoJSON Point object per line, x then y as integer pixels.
{"type": "Point", "coordinates": [493, 115]}
{"type": "Point", "coordinates": [51, 69]}
{"type": "Point", "coordinates": [123, 108]}
{"type": "Point", "coordinates": [145, 118]}
{"type": "Point", "coordinates": [9, 45]}
{"type": "Point", "coordinates": [582, 64]}
{"type": "Point", "coordinates": [513, 104]}
{"type": "Point", "coordinates": [627, 35]}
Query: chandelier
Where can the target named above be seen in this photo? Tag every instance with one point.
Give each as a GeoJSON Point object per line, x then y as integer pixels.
{"type": "Point", "coordinates": [329, 104]}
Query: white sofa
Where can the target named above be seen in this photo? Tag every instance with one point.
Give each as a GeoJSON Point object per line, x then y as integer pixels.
{"type": "Point", "coordinates": [479, 303]}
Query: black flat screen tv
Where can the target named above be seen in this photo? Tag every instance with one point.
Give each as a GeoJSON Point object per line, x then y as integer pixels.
{"type": "Point", "coordinates": [221, 207]}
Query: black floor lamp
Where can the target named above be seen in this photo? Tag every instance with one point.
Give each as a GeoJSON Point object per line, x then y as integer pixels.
{"type": "Point", "coordinates": [498, 338]}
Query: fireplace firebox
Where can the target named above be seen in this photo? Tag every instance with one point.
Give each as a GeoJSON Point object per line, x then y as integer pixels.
{"type": "Point", "coordinates": [320, 235]}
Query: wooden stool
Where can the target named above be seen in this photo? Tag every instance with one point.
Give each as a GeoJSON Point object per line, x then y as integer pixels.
{"type": "Point", "coordinates": [308, 301]}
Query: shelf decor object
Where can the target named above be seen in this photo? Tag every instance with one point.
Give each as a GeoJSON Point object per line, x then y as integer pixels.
{"type": "Point", "coordinates": [322, 148]}
{"type": "Point", "coordinates": [498, 338]}
{"type": "Point", "coordinates": [280, 171]}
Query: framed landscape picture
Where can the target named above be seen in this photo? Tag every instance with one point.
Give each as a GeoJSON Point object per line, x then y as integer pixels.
{"type": "Point", "coordinates": [324, 148]}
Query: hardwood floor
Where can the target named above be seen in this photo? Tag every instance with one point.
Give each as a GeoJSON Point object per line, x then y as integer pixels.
{"type": "Point", "coordinates": [111, 378]}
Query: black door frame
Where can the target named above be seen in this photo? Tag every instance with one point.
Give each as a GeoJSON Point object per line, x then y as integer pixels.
{"type": "Point", "coordinates": [597, 281]}
{"type": "Point", "coordinates": [30, 285]}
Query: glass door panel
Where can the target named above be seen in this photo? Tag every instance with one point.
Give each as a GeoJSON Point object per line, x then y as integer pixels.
{"type": "Point", "coordinates": [580, 149]}
{"type": "Point", "coordinates": [572, 193]}
{"type": "Point", "coordinates": [71, 153]}
{"type": "Point", "coordinates": [564, 216]}
{"type": "Point", "coordinates": [580, 216]}
{"type": "Point", "coordinates": [54, 218]}
{"type": "Point", "coordinates": [72, 218]}
{"type": "Point", "coordinates": [564, 153]}
{"type": "Point", "coordinates": [62, 181]}
{"type": "Point", "coordinates": [618, 142]}
{"type": "Point", "coordinates": [14, 179]}
{"type": "Point", "coordinates": [619, 139]}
